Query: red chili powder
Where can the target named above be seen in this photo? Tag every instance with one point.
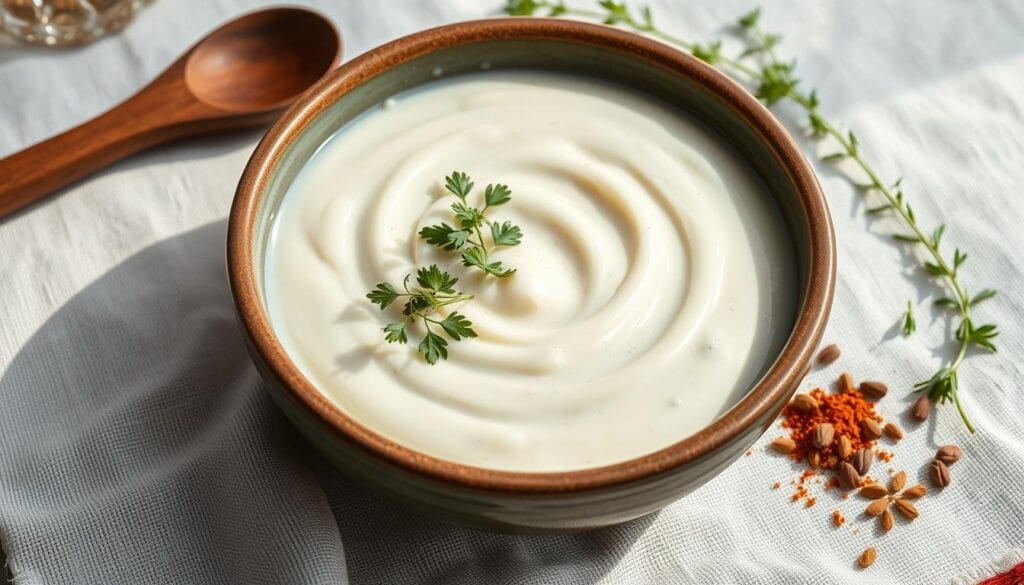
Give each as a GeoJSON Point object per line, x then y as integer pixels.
{"type": "Point", "coordinates": [838, 519]}
{"type": "Point", "coordinates": [844, 412]}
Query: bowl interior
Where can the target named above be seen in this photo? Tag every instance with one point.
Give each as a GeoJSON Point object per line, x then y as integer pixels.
{"type": "Point", "coordinates": [548, 55]}
{"type": "Point", "coordinates": [587, 50]}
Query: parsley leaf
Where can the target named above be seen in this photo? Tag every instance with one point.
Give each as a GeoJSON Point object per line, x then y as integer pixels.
{"type": "Point", "coordinates": [458, 326]}
{"type": "Point", "coordinates": [383, 295]}
{"type": "Point", "coordinates": [476, 256]}
{"type": "Point", "coordinates": [459, 184]}
{"type": "Point", "coordinates": [495, 195]}
{"type": "Point", "coordinates": [469, 217]}
{"type": "Point", "coordinates": [439, 235]}
{"type": "Point", "coordinates": [457, 239]}
{"type": "Point", "coordinates": [433, 347]}
{"type": "Point", "coordinates": [395, 332]}
{"type": "Point", "coordinates": [435, 279]}
{"type": "Point", "coordinates": [506, 234]}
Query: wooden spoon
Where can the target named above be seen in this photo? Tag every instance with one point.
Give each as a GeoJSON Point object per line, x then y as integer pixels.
{"type": "Point", "coordinates": [242, 74]}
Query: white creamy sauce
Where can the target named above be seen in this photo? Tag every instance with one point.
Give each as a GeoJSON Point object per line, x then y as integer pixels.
{"type": "Point", "coordinates": [654, 283]}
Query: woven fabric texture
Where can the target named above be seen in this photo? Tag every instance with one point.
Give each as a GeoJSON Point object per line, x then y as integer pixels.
{"type": "Point", "coordinates": [137, 445]}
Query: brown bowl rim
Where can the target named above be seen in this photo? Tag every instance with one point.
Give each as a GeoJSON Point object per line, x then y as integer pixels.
{"type": "Point", "coordinates": [783, 375]}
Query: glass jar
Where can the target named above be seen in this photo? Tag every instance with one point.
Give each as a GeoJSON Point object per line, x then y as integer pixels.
{"type": "Point", "coordinates": [65, 22]}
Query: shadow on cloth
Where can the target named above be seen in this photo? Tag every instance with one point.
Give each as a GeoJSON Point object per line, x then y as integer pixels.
{"type": "Point", "coordinates": [138, 446]}
{"type": "Point", "coordinates": [384, 543]}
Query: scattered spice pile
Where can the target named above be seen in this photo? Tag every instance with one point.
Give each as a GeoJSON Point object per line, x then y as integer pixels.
{"type": "Point", "coordinates": [825, 428]}
{"type": "Point", "coordinates": [836, 436]}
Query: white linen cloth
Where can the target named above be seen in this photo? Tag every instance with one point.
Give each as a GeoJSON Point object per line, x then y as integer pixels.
{"type": "Point", "coordinates": [137, 446]}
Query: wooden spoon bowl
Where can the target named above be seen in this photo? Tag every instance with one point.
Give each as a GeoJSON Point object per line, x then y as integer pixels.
{"type": "Point", "coordinates": [262, 61]}
{"type": "Point", "coordinates": [241, 74]}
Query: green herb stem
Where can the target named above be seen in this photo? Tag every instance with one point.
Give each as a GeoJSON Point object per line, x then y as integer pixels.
{"type": "Point", "coordinates": [627, 19]}
{"type": "Point", "coordinates": [773, 81]}
{"type": "Point", "coordinates": [896, 204]}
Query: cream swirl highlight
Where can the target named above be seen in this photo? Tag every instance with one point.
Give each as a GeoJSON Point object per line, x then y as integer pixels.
{"type": "Point", "coordinates": [652, 282]}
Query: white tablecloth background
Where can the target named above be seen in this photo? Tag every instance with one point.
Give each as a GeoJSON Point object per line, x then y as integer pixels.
{"type": "Point", "coordinates": [136, 445]}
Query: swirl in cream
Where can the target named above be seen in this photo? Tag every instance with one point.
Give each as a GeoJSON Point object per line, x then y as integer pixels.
{"type": "Point", "coordinates": [653, 283]}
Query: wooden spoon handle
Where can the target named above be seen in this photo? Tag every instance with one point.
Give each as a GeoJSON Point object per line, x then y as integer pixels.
{"type": "Point", "coordinates": [140, 122]}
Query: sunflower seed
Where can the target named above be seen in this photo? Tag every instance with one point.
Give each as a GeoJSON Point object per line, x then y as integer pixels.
{"type": "Point", "coordinates": [948, 454]}
{"type": "Point", "coordinates": [898, 481]}
{"type": "Point", "coordinates": [823, 435]}
{"type": "Point", "coordinates": [914, 492]}
{"type": "Point", "coordinates": [873, 390]}
{"type": "Point", "coordinates": [805, 403]}
{"type": "Point", "coordinates": [783, 445]}
{"type": "Point", "coordinates": [845, 383]}
{"type": "Point", "coordinates": [862, 461]}
{"type": "Point", "coordinates": [828, 355]}
{"type": "Point", "coordinates": [848, 476]}
{"type": "Point", "coordinates": [893, 431]}
{"type": "Point", "coordinates": [939, 474]}
{"type": "Point", "coordinates": [867, 558]}
{"type": "Point", "coordinates": [845, 447]}
{"type": "Point", "coordinates": [905, 508]}
{"type": "Point", "coordinates": [814, 459]}
{"type": "Point", "coordinates": [877, 507]}
{"type": "Point", "coordinates": [873, 491]}
{"type": "Point", "coordinates": [922, 406]}
{"type": "Point", "coordinates": [887, 520]}
{"type": "Point", "coordinates": [869, 428]}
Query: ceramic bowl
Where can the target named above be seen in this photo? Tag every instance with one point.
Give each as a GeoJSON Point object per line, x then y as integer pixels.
{"type": "Point", "coordinates": [515, 500]}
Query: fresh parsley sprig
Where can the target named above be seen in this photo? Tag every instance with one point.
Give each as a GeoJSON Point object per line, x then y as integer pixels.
{"type": "Point", "coordinates": [469, 236]}
{"type": "Point", "coordinates": [773, 80]}
{"type": "Point", "coordinates": [436, 289]}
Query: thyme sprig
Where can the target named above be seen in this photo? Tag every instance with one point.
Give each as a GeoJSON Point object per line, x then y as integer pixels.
{"type": "Point", "coordinates": [436, 287]}
{"type": "Point", "coordinates": [772, 81]}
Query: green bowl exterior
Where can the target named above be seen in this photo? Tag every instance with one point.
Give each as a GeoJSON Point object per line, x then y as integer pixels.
{"type": "Point", "coordinates": [571, 509]}
{"type": "Point", "coordinates": [506, 511]}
